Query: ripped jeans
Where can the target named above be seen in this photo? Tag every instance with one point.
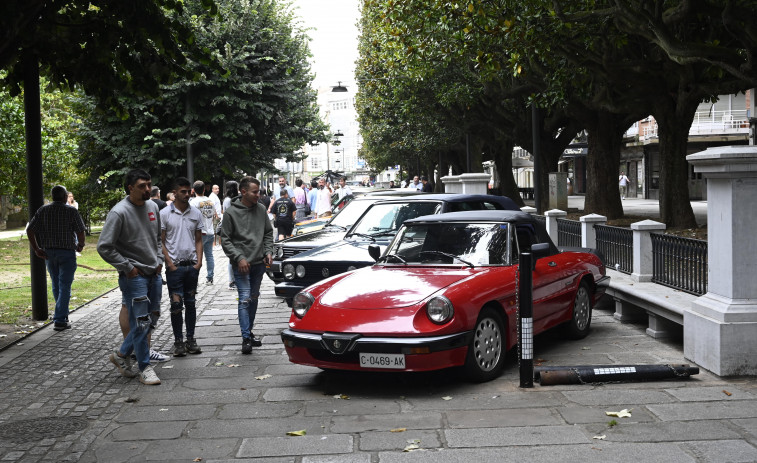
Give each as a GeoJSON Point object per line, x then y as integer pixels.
{"type": "Point", "coordinates": [182, 289]}
{"type": "Point", "coordinates": [248, 289]}
{"type": "Point", "coordinates": [142, 295]}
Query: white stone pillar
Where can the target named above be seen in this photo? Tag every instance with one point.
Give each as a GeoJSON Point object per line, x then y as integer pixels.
{"type": "Point", "coordinates": [642, 248]}
{"type": "Point", "coordinates": [452, 184]}
{"type": "Point", "coordinates": [552, 217]}
{"type": "Point", "coordinates": [529, 210]}
{"type": "Point", "coordinates": [588, 233]}
{"type": "Point", "coordinates": [469, 184]}
{"type": "Point", "coordinates": [720, 327]}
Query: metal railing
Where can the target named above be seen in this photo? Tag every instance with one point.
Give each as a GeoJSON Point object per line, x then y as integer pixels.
{"type": "Point", "coordinates": [568, 232]}
{"type": "Point", "coordinates": [679, 263]}
{"type": "Point", "coordinates": [616, 244]}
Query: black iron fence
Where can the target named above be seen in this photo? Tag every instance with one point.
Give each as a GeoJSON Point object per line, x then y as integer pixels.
{"type": "Point", "coordinates": [568, 232]}
{"type": "Point", "coordinates": [680, 263]}
{"type": "Point", "coordinates": [616, 244]}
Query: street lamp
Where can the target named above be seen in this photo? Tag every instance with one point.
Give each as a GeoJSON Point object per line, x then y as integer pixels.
{"type": "Point", "coordinates": [341, 151]}
{"type": "Point", "coordinates": [339, 88]}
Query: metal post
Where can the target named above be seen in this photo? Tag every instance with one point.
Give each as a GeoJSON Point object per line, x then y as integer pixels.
{"type": "Point", "coordinates": [34, 177]}
{"type": "Point", "coordinates": [190, 154]}
{"type": "Point", "coordinates": [525, 320]}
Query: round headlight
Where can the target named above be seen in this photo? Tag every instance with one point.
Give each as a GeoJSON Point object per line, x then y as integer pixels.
{"type": "Point", "coordinates": [279, 251]}
{"type": "Point", "coordinates": [351, 268]}
{"type": "Point", "coordinates": [439, 310]}
{"type": "Point", "coordinates": [289, 272]}
{"type": "Point", "coordinates": [301, 304]}
{"type": "Point", "coordinates": [300, 270]}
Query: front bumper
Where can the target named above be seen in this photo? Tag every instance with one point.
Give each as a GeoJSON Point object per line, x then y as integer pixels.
{"type": "Point", "coordinates": [288, 289]}
{"type": "Point", "coordinates": [341, 350]}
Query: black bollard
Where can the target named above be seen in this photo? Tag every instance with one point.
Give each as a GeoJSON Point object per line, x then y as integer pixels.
{"type": "Point", "coordinates": [526, 320]}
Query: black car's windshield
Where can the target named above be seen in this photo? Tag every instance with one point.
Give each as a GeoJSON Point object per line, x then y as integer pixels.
{"type": "Point", "coordinates": [349, 215]}
{"type": "Point", "coordinates": [452, 243]}
{"type": "Point", "coordinates": [386, 218]}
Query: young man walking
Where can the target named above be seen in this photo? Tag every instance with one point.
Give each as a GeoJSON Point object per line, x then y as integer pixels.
{"type": "Point", "coordinates": [284, 211]}
{"type": "Point", "coordinates": [247, 239]}
{"type": "Point", "coordinates": [209, 213]}
{"type": "Point", "coordinates": [56, 234]}
{"type": "Point", "coordinates": [130, 242]}
{"type": "Point", "coordinates": [181, 235]}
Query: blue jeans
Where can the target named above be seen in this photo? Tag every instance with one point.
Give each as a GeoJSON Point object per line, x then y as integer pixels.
{"type": "Point", "coordinates": [248, 289]}
{"type": "Point", "coordinates": [182, 288]}
{"type": "Point", "coordinates": [61, 264]}
{"type": "Point", "coordinates": [142, 296]}
{"type": "Point", "coordinates": [207, 250]}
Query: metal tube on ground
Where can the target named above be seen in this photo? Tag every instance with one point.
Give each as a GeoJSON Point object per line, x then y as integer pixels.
{"type": "Point", "coordinates": [549, 376]}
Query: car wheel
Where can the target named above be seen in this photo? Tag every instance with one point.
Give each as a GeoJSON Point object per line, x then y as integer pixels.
{"type": "Point", "coordinates": [578, 326]}
{"type": "Point", "coordinates": [486, 351]}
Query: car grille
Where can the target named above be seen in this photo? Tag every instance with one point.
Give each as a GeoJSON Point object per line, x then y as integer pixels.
{"type": "Point", "coordinates": [326, 356]}
{"type": "Point", "coordinates": [314, 271]}
{"type": "Point", "coordinates": [292, 251]}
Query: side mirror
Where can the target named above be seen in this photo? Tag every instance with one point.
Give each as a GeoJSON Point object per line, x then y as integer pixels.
{"type": "Point", "coordinates": [537, 252]}
{"type": "Point", "coordinates": [374, 251]}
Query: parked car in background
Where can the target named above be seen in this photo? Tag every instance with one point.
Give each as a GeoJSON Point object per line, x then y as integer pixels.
{"type": "Point", "coordinates": [444, 294]}
{"type": "Point", "coordinates": [333, 229]}
{"type": "Point", "coordinates": [377, 225]}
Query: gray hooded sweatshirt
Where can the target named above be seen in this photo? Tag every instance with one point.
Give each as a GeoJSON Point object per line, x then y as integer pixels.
{"type": "Point", "coordinates": [246, 233]}
{"type": "Point", "coordinates": [131, 237]}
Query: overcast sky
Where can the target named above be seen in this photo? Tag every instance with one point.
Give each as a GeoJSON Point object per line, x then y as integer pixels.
{"type": "Point", "coordinates": [333, 30]}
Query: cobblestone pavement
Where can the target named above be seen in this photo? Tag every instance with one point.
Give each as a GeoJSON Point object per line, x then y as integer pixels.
{"type": "Point", "coordinates": [60, 399]}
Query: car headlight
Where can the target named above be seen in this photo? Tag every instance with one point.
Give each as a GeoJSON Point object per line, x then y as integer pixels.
{"type": "Point", "coordinates": [279, 251]}
{"type": "Point", "coordinates": [351, 268]}
{"type": "Point", "coordinates": [300, 271]}
{"type": "Point", "coordinates": [439, 310]}
{"type": "Point", "coordinates": [289, 272]}
{"type": "Point", "coordinates": [301, 304]}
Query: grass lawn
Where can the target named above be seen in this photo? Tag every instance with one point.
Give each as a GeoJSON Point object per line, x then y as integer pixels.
{"type": "Point", "coordinates": [93, 278]}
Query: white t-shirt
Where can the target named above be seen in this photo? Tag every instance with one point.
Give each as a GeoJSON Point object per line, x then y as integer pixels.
{"type": "Point", "coordinates": [323, 201]}
{"type": "Point", "coordinates": [208, 210]}
{"type": "Point", "coordinates": [623, 180]}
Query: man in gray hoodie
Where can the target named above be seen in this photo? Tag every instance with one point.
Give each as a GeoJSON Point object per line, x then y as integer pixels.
{"type": "Point", "coordinates": [247, 240]}
{"type": "Point", "coordinates": [130, 242]}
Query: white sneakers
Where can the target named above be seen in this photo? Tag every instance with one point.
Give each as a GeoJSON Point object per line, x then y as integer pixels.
{"type": "Point", "coordinates": [148, 376]}
{"type": "Point", "coordinates": [123, 364]}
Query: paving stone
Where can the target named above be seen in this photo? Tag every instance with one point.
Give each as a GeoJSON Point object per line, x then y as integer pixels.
{"type": "Point", "coordinates": [487, 402]}
{"type": "Point", "coordinates": [593, 414]}
{"type": "Point", "coordinates": [374, 441]}
{"type": "Point", "coordinates": [704, 410]}
{"type": "Point", "coordinates": [145, 414]}
{"type": "Point", "coordinates": [665, 432]}
{"type": "Point", "coordinates": [149, 431]}
{"type": "Point", "coordinates": [618, 396]}
{"type": "Point", "coordinates": [190, 397]}
{"type": "Point", "coordinates": [351, 458]}
{"type": "Point", "coordinates": [362, 423]}
{"type": "Point", "coordinates": [700, 394]}
{"type": "Point", "coordinates": [353, 406]}
{"type": "Point", "coordinates": [535, 435]}
{"type": "Point", "coordinates": [190, 449]}
{"type": "Point", "coordinates": [282, 394]}
{"type": "Point", "coordinates": [261, 427]}
{"type": "Point", "coordinates": [260, 410]}
{"type": "Point", "coordinates": [496, 418]}
{"type": "Point", "coordinates": [302, 445]}
{"type": "Point", "coordinates": [119, 451]}
{"type": "Point", "coordinates": [735, 451]}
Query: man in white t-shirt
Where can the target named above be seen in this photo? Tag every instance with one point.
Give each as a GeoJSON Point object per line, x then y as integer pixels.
{"type": "Point", "coordinates": [623, 183]}
{"type": "Point", "coordinates": [343, 190]}
{"type": "Point", "coordinates": [209, 214]}
{"type": "Point", "coordinates": [415, 184]}
{"type": "Point", "coordinates": [323, 200]}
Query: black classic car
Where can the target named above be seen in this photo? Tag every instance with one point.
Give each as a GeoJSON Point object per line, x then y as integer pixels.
{"type": "Point", "coordinates": [378, 225]}
{"type": "Point", "coordinates": [334, 230]}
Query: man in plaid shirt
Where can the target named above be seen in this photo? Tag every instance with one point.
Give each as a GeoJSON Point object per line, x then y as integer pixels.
{"type": "Point", "coordinates": [56, 233]}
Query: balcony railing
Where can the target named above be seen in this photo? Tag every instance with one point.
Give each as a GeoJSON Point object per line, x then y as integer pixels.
{"type": "Point", "coordinates": [708, 123]}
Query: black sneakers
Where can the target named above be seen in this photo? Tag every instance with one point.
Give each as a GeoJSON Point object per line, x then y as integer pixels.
{"type": "Point", "coordinates": [192, 347]}
{"type": "Point", "coordinates": [246, 345]}
{"type": "Point", "coordinates": [178, 349]}
{"type": "Point", "coordinates": [256, 342]}
{"type": "Point", "coordinates": [61, 326]}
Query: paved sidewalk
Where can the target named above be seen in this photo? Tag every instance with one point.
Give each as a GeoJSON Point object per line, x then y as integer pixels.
{"type": "Point", "coordinates": [60, 399]}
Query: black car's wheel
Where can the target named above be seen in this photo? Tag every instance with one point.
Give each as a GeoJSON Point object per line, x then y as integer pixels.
{"type": "Point", "coordinates": [486, 351]}
{"type": "Point", "coordinates": [579, 324]}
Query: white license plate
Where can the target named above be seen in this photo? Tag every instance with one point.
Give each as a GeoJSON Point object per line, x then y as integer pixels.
{"type": "Point", "coordinates": [393, 361]}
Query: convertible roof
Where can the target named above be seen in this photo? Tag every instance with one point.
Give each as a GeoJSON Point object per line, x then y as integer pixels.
{"type": "Point", "coordinates": [477, 216]}
{"type": "Point", "coordinates": [504, 201]}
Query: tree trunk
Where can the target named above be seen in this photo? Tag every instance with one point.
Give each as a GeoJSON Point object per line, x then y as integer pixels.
{"type": "Point", "coordinates": [503, 162]}
{"type": "Point", "coordinates": [673, 124]}
{"type": "Point", "coordinates": [605, 138]}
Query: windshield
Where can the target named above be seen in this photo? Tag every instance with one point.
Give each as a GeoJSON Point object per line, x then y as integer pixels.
{"type": "Point", "coordinates": [351, 212]}
{"type": "Point", "coordinates": [386, 218]}
{"type": "Point", "coordinates": [450, 243]}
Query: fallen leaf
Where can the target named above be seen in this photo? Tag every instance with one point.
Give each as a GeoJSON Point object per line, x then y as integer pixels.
{"type": "Point", "coordinates": [262, 377]}
{"type": "Point", "coordinates": [602, 437]}
{"type": "Point", "coordinates": [398, 430]}
{"type": "Point", "coordinates": [218, 364]}
{"type": "Point", "coordinates": [197, 459]}
{"type": "Point", "coordinates": [625, 413]}
{"type": "Point", "coordinates": [242, 388]}
{"type": "Point", "coordinates": [233, 365]}
{"type": "Point", "coordinates": [413, 441]}
{"type": "Point", "coordinates": [410, 448]}
{"type": "Point", "coordinates": [342, 396]}
{"type": "Point", "coordinates": [163, 409]}
{"type": "Point", "coordinates": [167, 367]}
{"type": "Point", "coordinates": [447, 397]}
{"type": "Point", "coordinates": [58, 372]}
{"type": "Point", "coordinates": [297, 433]}
{"type": "Point", "coordinates": [727, 393]}
{"type": "Point", "coordinates": [132, 400]}
{"type": "Point", "coordinates": [586, 348]}
{"type": "Point", "coordinates": [3, 335]}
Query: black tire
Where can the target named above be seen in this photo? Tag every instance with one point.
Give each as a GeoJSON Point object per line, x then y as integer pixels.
{"type": "Point", "coordinates": [580, 322]}
{"type": "Point", "coordinates": [486, 352]}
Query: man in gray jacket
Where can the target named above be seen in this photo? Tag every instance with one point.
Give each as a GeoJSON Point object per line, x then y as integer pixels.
{"type": "Point", "coordinates": [130, 242]}
{"type": "Point", "coordinates": [247, 240]}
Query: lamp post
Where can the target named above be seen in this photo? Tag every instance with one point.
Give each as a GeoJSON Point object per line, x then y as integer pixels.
{"type": "Point", "coordinates": [344, 166]}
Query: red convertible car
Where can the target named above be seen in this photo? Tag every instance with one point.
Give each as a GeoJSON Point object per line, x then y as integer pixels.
{"type": "Point", "coordinates": [443, 295]}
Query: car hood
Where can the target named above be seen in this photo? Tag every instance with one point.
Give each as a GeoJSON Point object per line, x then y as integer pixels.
{"type": "Point", "coordinates": [341, 251]}
{"type": "Point", "coordinates": [380, 287]}
{"type": "Point", "coordinates": [320, 237]}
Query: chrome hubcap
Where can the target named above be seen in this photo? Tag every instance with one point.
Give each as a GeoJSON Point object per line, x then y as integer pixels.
{"type": "Point", "coordinates": [487, 344]}
{"type": "Point", "coordinates": [581, 308]}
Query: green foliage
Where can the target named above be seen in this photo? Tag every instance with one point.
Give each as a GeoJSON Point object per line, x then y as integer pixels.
{"type": "Point", "coordinates": [260, 109]}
